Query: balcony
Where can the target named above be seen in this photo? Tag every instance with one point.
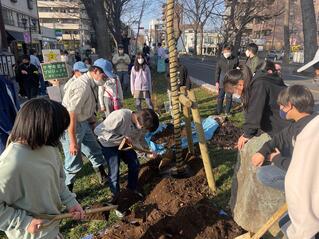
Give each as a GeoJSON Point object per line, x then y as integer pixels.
{"type": "Point", "coordinates": [66, 26]}
{"type": "Point", "coordinates": [57, 4]}
{"type": "Point", "coordinates": [60, 15]}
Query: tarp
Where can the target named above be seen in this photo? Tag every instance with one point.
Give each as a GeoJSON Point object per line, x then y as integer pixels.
{"type": "Point", "coordinates": [209, 125]}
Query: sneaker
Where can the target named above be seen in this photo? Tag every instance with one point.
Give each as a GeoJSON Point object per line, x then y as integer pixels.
{"type": "Point", "coordinates": [137, 193]}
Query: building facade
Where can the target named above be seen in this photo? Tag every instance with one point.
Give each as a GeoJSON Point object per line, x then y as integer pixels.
{"type": "Point", "coordinates": [69, 20]}
{"type": "Point", "coordinates": [269, 34]}
{"type": "Point", "coordinates": [22, 25]}
{"type": "Point", "coordinates": [209, 43]}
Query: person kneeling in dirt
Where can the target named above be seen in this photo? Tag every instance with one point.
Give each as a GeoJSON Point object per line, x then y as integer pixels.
{"type": "Point", "coordinates": [118, 125]}
{"type": "Point", "coordinates": [296, 103]}
{"type": "Point", "coordinates": [32, 180]}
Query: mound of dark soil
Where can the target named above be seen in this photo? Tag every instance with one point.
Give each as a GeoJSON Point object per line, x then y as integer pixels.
{"type": "Point", "coordinates": [175, 208]}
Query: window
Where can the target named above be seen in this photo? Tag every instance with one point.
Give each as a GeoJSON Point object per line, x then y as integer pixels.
{"type": "Point", "coordinates": [20, 22]}
{"type": "Point", "coordinates": [8, 16]}
{"type": "Point", "coordinates": [30, 4]}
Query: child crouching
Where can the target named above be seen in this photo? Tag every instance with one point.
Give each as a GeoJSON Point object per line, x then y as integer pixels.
{"type": "Point", "coordinates": [118, 125]}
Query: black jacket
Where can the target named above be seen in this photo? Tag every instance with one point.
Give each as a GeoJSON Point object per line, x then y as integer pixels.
{"type": "Point", "coordinates": [262, 112]}
{"type": "Point", "coordinates": [184, 79]}
{"type": "Point", "coordinates": [32, 78]}
{"type": "Point", "coordinates": [223, 66]}
{"type": "Point", "coordinates": [285, 141]}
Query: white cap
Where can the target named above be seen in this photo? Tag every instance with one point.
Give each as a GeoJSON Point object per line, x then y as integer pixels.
{"type": "Point", "coordinates": [311, 63]}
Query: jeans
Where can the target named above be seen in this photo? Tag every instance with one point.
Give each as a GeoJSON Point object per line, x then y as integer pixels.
{"type": "Point", "coordinates": [42, 90]}
{"type": "Point", "coordinates": [220, 101]}
{"type": "Point", "coordinates": [88, 146]}
{"type": "Point", "coordinates": [124, 79]}
{"type": "Point", "coordinates": [113, 157]}
{"type": "Point", "coordinates": [138, 103]}
{"type": "Point", "coordinates": [272, 176]}
{"type": "Point", "coordinates": [285, 222]}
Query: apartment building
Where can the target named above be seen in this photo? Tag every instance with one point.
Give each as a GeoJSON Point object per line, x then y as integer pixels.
{"type": "Point", "coordinates": [22, 26]}
{"type": "Point", "coordinates": [69, 20]}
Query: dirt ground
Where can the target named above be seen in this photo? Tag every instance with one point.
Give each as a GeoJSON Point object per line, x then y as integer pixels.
{"type": "Point", "coordinates": [173, 208]}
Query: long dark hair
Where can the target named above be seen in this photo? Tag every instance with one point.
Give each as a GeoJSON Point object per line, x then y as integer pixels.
{"type": "Point", "coordinates": [40, 122]}
{"type": "Point", "coordinates": [233, 77]}
{"type": "Point", "coordinates": [137, 66]}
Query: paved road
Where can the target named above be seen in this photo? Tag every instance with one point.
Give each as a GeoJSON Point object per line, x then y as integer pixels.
{"type": "Point", "coordinates": [204, 69]}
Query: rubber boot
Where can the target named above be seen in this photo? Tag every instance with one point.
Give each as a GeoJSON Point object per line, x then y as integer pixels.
{"type": "Point", "coordinates": [101, 174]}
{"type": "Point", "coordinates": [70, 187]}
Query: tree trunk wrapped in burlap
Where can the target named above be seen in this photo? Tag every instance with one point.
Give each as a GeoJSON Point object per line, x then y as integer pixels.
{"type": "Point", "coordinates": [251, 202]}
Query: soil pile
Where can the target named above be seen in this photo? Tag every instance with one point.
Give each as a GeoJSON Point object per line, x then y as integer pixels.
{"type": "Point", "coordinates": [174, 208]}
{"type": "Point", "coordinates": [227, 134]}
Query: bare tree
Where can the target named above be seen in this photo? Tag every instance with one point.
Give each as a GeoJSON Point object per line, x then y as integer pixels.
{"type": "Point", "coordinates": [198, 12]}
{"type": "Point", "coordinates": [286, 32]}
{"type": "Point", "coordinates": [96, 12]}
{"type": "Point", "coordinates": [309, 29]}
{"type": "Point", "coordinates": [240, 13]}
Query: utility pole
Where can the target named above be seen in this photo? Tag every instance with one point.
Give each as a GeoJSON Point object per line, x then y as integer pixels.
{"type": "Point", "coordinates": [139, 25]}
{"type": "Point", "coordinates": [3, 35]}
{"type": "Point", "coordinates": [286, 32]}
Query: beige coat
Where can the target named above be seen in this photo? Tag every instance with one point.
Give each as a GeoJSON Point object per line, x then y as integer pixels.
{"type": "Point", "coordinates": [302, 184]}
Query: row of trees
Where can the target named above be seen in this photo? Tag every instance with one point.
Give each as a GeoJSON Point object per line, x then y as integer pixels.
{"type": "Point", "coordinates": [107, 19]}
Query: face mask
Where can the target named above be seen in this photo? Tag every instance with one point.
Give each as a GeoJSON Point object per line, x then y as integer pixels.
{"type": "Point", "coordinates": [140, 61]}
{"type": "Point", "coordinates": [236, 96]}
{"type": "Point", "coordinates": [247, 53]}
{"type": "Point", "coordinates": [121, 52]}
{"type": "Point", "coordinates": [99, 82]}
{"type": "Point", "coordinates": [283, 114]}
{"type": "Point", "coordinates": [227, 54]}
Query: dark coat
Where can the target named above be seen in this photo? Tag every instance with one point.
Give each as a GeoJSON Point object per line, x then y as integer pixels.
{"type": "Point", "coordinates": [223, 66]}
{"type": "Point", "coordinates": [284, 141]}
{"type": "Point", "coordinates": [8, 109]}
{"type": "Point", "coordinates": [262, 112]}
{"type": "Point", "coordinates": [32, 78]}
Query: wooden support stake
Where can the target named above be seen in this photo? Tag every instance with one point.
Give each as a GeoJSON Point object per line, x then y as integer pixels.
{"type": "Point", "coordinates": [202, 143]}
{"type": "Point", "coordinates": [185, 101]}
{"type": "Point", "coordinates": [187, 115]}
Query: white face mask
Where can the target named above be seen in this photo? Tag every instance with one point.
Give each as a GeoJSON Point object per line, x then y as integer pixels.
{"type": "Point", "coordinates": [236, 96]}
{"type": "Point", "coordinates": [140, 61]}
{"type": "Point", "coordinates": [99, 82]}
{"type": "Point", "coordinates": [247, 53]}
{"type": "Point", "coordinates": [227, 54]}
{"type": "Point", "coordinates": [121, 52]}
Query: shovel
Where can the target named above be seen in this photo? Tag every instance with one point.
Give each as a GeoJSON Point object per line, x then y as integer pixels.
{"type": "Point", "coordinates": [274, 218]}
{"type": "Point", "coordinates": [54, 218]}
{"type": "Point", "coordinates": [124, 146]}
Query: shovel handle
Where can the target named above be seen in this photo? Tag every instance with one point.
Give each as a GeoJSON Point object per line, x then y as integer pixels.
{"type": "Point", "coordinates": [274, 218]}
{"type": "Point", "coordinates": [130, 146]}
{"type": "Point", "coordinates": [70, 215]}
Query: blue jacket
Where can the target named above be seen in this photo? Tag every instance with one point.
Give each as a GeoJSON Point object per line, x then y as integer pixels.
{"type": "Point", "coordinates": [7, 109]}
